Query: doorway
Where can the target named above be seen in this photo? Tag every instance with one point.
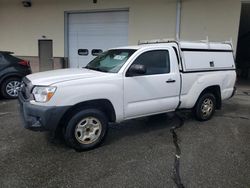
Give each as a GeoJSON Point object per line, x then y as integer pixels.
{"type": "Point", "coordinates": [45, 48]}
{"type": "Point", "coordinates": [243, 47]}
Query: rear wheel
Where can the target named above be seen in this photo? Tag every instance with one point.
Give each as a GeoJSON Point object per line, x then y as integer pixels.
{"type": "Point", "coordinates": [86, 129]}
{"type": "Point", "coordinates": [205, 107]}
{"type": "Point", "coordinates": [10, 87]}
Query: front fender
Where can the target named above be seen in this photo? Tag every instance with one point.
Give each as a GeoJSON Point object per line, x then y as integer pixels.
{"type": "Point", "coordinates": [71, 95]}
{"type": "Point", "coordinates": [10, 72]}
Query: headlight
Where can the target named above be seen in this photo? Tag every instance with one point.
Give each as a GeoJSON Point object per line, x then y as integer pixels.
{"type": "Point", "coordinates": [43, 94]}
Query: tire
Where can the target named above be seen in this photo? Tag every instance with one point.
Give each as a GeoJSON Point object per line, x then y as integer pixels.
{"type": "Point", "coordinates": [86, 129]}
{"type": "Point", "coordinates": [205, 107]}
{"type": "Point", "coordinates": [9, 87]}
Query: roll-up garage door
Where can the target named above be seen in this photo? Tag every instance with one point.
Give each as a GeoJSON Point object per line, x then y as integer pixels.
{"type": "Point", "coordinates": [91, 33]}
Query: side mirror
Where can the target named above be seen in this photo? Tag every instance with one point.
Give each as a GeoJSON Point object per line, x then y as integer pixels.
{"type": "Point", "coordinates": [136, 70]}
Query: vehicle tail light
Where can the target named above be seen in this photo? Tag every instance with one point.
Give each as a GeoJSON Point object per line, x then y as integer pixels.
{"type": "Point", "coordinates": [24, 63]}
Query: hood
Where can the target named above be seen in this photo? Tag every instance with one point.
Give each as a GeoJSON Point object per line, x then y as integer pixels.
{"type": "Point", "coordinates": [61, 75]}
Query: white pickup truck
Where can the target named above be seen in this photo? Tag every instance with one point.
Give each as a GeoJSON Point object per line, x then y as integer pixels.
{"type": "Point", "coordinates": [126, 83]}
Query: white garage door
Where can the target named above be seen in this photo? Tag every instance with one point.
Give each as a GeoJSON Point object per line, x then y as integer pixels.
{"type": "Point", "coordinates": [90, 33]}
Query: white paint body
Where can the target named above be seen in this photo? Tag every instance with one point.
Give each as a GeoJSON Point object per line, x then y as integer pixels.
{"type": "Point", "coordinates": [139, 96]}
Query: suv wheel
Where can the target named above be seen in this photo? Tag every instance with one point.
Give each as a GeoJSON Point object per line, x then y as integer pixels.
{"type": "Point", "coordinates": [86, 129]}
{"type": "Point", "coordinates": [205, 107]}
{"type": "Point", "coordinates": [10, 87]}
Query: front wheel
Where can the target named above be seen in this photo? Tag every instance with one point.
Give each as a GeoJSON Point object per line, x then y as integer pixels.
{"type": "Point", "coordinates": [205, 107]}
{"type": "Point", "coordinates": [86, 129]}
{"type": "Point", "coordinates": [10, 87]}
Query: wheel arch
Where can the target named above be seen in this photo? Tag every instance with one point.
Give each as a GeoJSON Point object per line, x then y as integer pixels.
{"type": "Point", "coordinates": [101, 104]}
{"type": "Point", "coordinates": [10, 75]}
{"type": "Point", "coordinates": [216, 91]}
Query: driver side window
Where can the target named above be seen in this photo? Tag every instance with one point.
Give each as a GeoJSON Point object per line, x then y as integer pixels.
{"type": "Point", "coordinates": [156, 62]}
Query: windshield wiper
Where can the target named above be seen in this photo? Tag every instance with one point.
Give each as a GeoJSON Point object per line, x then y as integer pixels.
{"type": "Point", "coordinates": [96, 69]}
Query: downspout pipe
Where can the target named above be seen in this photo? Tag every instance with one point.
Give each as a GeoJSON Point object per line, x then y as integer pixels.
{"type": "Point", "coordinates": [178, 19]}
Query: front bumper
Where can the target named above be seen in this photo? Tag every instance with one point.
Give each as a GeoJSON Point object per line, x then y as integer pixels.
{"type": "Point", "coordinates": [40, 118]}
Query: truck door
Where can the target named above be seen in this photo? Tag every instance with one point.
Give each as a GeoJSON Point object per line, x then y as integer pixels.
{"type": "Point", "coordinates": [155, 91]}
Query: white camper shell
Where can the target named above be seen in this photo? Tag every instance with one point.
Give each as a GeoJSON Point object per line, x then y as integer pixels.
{"type": "Point", "coordinates": [207, 56]}
{"type": "Point", "coordinates": [196, 56]}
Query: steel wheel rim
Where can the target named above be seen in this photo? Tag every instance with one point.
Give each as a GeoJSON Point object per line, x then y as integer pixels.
{"type": "Point", "coordinates": [88, 130]}
{"type": "Point", "coordinates": [207, 107]}
{"type": "Point", "coordinates": [12, 88]}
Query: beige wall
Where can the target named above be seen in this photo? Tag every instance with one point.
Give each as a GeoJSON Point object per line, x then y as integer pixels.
{"type": "Point", "coordinates": [22, 27]}
{"type": "Point", "coordinates": [217, 19]}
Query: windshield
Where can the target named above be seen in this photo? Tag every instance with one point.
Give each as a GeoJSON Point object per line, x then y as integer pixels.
{"type": "Point", "coordinates": [110, 61]}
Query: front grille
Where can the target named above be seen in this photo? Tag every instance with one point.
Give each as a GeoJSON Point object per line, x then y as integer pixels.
{"type": "Point", "coordinates": [26, 88]}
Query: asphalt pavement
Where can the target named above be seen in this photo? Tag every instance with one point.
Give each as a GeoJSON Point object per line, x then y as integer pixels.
{"type": "Point", "coordinates": [136, 153]}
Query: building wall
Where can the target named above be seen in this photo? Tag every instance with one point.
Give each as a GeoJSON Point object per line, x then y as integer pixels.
{"type": "Point", "coordinates": [219, 20]}
{"type": "Point", "coordinates": [22, 27]}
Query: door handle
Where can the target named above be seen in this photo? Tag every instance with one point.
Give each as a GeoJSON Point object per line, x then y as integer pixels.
{"type": "Point", "coordinates": [170, 81]}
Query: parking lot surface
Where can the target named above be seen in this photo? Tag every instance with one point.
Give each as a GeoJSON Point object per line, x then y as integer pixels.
{"type": "Point", "coordinates": [136, 153]}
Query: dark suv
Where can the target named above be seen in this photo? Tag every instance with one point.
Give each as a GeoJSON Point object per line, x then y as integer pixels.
{"type": "Point", "coordinates": [12, 69]}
